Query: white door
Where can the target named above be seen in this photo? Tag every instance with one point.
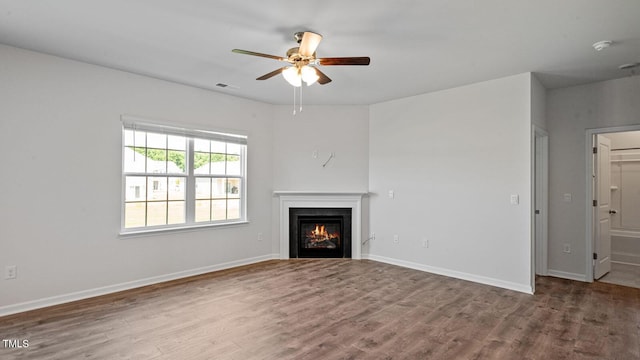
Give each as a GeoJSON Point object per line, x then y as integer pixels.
{"type": "Point", "coordinates": [602, 245]}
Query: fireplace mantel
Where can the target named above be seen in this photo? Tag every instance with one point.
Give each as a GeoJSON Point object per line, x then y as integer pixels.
{"type": "Point", "coordinates": [319, 193]}
{"type": "Point", "coordinates": [321, 199]}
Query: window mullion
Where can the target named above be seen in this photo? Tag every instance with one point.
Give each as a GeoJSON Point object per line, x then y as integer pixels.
{"type": "Point", "coordinates": [190, 191]}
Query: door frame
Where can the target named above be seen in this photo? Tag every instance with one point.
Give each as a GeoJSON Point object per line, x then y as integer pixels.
{"type": "Point", "coordinates": [589, 176]}
{"type": "Point", "coordinates": [540, 202]}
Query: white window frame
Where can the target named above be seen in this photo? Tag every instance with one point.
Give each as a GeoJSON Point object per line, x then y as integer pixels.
{"type": "Point", "coordinates": [136, 123]}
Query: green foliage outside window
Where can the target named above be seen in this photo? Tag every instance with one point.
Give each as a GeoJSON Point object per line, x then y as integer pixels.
{"type": "Point", "coordinates": [178, 157]}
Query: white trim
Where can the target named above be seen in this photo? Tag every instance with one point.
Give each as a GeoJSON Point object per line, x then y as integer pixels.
{"type": "Point", "coordinates": [540, 239]}
{"type": "Point", "coordinates": [182, 228]}
{"type": "Point", "coordinates": [625, 233]}
{"type": "Point", "coordinates": [625, 258]}
{"type": "Point", "coordinates": [589, 196]}
{"type": "Point", "coordinates": [85, 294]}
{"type": "Point", "coordinates": [320, 199]}
{"type": "Point", "coordinates": [189, 178]}
{"type": "Point", "coordinates": [319, 193]}
{"type": "Point", "coordinates": [625, 263]}
{"type": "Point", "coordinates": [567, 275]}
{"type": "Point", "coordinates": [190, 130]}
{"type": "Point", "coordinates": [454, 274]}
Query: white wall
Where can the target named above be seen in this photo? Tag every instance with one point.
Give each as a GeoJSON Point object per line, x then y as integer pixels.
{"type": "Point", "coordinates": [570, 113]}
{"type": "Point", "coordinates": [624, 140]}
{"type": "Point", "coordinates": [538, 104]}
{"type": "Point", "coordinates": [343, 130]}
{"type": "Point", "coordinates": [60, 136]}
{"type": "Point", "coordinates": [625, 176]}
{"type": "Point", "coordinates": [539, 156]}
{"type": "Point", "coordinates": [625, 199]}
{"type": "Point", "coordinates": [453, 158]}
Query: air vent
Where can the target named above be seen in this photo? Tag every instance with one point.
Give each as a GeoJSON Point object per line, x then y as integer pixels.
{"type": "Point", "coordinates": [227, 86]}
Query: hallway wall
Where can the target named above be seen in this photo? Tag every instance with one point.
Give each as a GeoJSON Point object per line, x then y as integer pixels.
{"type": "Point", "coordinates": [570, 113]}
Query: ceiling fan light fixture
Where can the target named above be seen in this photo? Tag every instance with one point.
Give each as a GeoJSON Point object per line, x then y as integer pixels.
{"type": "Point", "coordinates": [601, 45]}
{"type": "Point", "coordinates": [292, 75]}
{"type": "Point", "coordinates": [309, 75]}
{"type": "Point", "coordinates": [309, 42]}
{"type": "Point", "coordinates": [303, 61]}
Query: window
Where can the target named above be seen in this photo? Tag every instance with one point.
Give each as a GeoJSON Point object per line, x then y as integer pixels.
{"type": "Point", "coordinates": [175, 177]}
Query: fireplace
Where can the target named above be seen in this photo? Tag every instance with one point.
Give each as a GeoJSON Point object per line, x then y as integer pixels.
{"type": "Point", "coordinates": [321, 199]}
{"type": "Point", "coordinates": [320, 232]}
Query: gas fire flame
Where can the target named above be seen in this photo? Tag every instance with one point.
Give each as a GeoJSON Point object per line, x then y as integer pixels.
{"type": "Point", "coordinates": [320, 233]}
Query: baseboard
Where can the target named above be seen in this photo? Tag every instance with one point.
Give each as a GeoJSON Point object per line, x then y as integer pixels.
{"type": "Point", "coordinates": [628, 258]}
{"type": "Point", "coordinates": [624, 263]}
{"type": "Point", "coordinates": [85, 294]}
{"type": "Point", "coordinates": [567, 275]}
{"type": "Point", "coordinates": [452, 273]}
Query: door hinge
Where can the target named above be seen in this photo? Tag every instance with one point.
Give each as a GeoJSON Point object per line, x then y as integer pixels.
{"type": "Point", "coordinates": [595, 202]}
{"type": "Point", "coordinates": [537, 212]}
{"type": "Point", "coordinates": [595, 256]}
{"type": "Point", "coordinates": [595, 150]}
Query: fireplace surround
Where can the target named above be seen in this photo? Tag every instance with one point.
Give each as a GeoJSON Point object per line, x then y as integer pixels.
{"type": "Point", "coordinates": [319, 200]}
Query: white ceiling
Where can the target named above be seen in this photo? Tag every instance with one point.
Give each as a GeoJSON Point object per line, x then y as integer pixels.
{"type": "Point", "coordinates": [415, 46]}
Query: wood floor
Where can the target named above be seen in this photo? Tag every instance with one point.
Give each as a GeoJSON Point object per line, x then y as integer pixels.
{"type": "Point", "coordinates": [335, 309]}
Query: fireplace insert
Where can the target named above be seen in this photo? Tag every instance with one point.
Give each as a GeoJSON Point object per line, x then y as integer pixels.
{"type": "Point", "coordinates": [320, 232]}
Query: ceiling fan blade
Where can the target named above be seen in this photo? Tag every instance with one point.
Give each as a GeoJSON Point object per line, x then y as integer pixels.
{"type": "Point", "coordinates": [309, 43]}
{"type": "Point", "coordinates": [363, 60]}
{"type": "Point", "coordinates": [247, 52]}
{"type": "Point", "coordinates": [271, 74]}
{"type": "Point", "coordinates": [323, 79]}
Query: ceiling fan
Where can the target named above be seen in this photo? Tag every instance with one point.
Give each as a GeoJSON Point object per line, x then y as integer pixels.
{"type": "Point", "coordinates": [304, 62]}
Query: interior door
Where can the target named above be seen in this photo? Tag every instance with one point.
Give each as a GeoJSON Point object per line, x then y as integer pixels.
{"type": "Point", "coordinates": [602, 246]}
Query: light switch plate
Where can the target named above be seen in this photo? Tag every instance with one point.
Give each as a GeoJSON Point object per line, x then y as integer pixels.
{"type": "Point", "coordinates": [515, 199]}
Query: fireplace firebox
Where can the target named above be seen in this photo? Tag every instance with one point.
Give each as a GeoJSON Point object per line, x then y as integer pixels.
{"type": "Point", "coordinates": [319, 232]}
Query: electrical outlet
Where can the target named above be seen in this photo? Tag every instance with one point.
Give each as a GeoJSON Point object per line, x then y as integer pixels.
{"type": "Point", "coordinates": [566, 248]}
{"type": "Point", "coordinates": [425, 243]}
{"type": "Point", "coordinates": [10, 272]}
{"type": "Point", "coordinates": [260, 236]}
{"type": "Point", "coordinates": [396, 239]}
{"type": "Point", "coordinates": [373, 236]}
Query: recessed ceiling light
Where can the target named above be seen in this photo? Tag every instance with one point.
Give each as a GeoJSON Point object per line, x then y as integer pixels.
{"type": "Point", "coordinates": [601, 45]}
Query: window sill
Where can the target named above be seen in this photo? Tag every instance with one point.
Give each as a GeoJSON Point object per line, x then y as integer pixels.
{"type": "Point", "coordinates": [184, 228]}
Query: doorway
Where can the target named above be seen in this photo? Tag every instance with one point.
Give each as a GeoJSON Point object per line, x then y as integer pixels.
{"type": "Point", "coordinates": [540, 201]}
{"type": "Point", "coordinates": [613, 210]}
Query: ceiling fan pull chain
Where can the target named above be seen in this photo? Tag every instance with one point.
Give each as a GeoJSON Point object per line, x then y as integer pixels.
{"type": "Point", "coordinates": [300, 98]}
{"type": "Point", "coordinates": [294, 101]}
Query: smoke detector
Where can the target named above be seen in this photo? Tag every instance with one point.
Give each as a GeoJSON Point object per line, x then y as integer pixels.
{"type": "Point", "coordinates": [601, 45]}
